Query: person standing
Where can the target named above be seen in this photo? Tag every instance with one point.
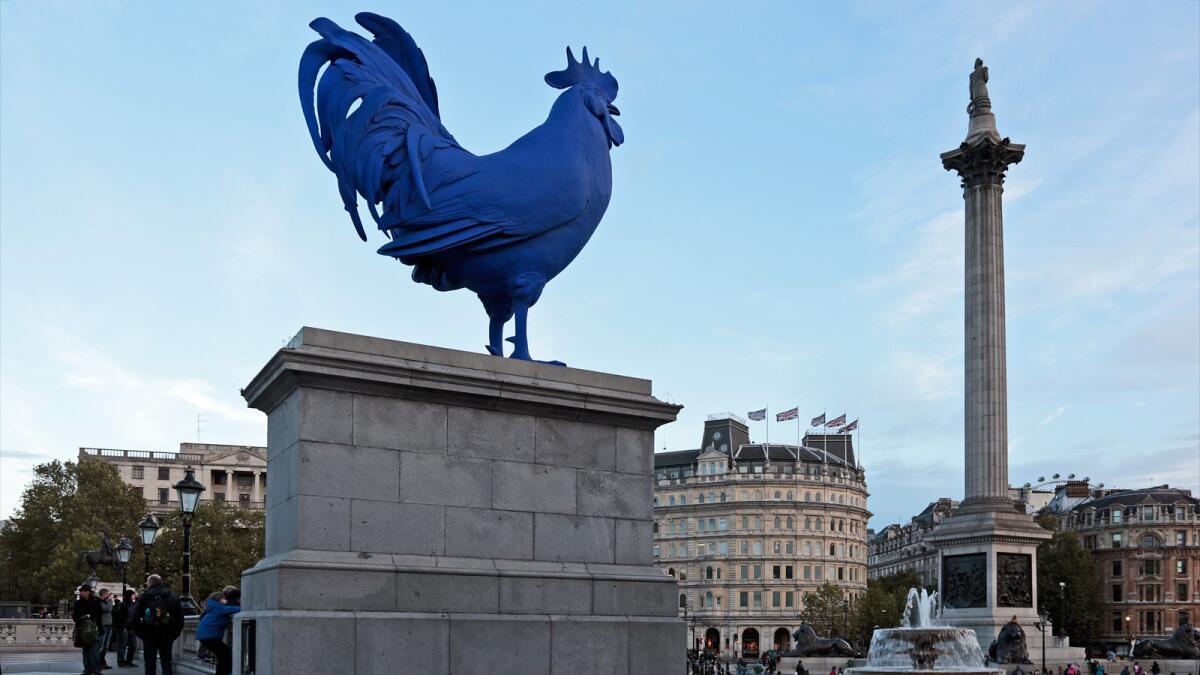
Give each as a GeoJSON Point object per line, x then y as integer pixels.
{"type": "Point", "coordinates": [211, 631]}
{"type": "Point", "coordinates": [158, 621]}
{"type": "Point", "coordinates": [106, 626]}
{"type": "Point", "coordinates": [126, 640]}
{"type": "Point", "coordinates": [87, 611]}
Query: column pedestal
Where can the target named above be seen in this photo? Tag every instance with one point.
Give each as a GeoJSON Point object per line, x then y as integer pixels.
{"type": "Point", "coordinates": [438, 511]}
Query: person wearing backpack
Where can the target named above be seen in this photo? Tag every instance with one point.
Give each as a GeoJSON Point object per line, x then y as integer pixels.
{"type": "Point", "coordinates": [158, 620]}
{"type": "Point", "coordinates": [87, 614]}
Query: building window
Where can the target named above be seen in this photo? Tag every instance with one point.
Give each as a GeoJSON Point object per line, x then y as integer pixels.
{"type": "Point", "coordinates": [1115, 515]}
{"type": "Point", "coordinates": [817, 572]}
{"type": "Point", "coordinates": [745, 571]}
{"type": "Point", "coordinates": [743, 599]}
{"type": "Point", "coordinates": [787, 572]}
{"type": "Point", "coordinates": [791, 523]}
{"type": "Point", "coordinates": [775, 572]}
{"type": "Point", "coordinates": [244, 498]}
{"type": "Point", "coordinates": [1181, 592]}
{"type": "Point", "coordinates": [654, 551]}
{"type": "Point", "coordinates": [139, 472]}
{"type": "Point", "coordinates": [722, 524]}
{"type": "Point", "coordinates": [700, 499]}
{"type": "Point", "coordinates": [808, 572]}
{"type": "Point", "coordinates": [1149, 567]}
{"type": "Point", "coordinates": [220, 497]}
{"type": "Point", "coordinates": [1116, 616]}
{"type": "Point", "coordinates": [700, 523]}
{"type": "Point", "coordinates": [164, 496]}
{"type": "Point", "coordinates": [789, 598]}
{"type": "Point", "coordinates": [775, 598]}
{"type": "Point", "coordinates": [1149, 593]}
{"type": "Point", "coordinates": [1181, 537]}
{"type": "Point", "coordinates": [832, 549]}
{"type": "Point", "coordinates": [841, 572]}
{"type": "Point", "coordinates": [1116, 540]}
{"type": "Point", "coordinates": [671, 500]}
{"type": "Point", "coordinates": [758, 548]}
{"type": "Point", "coordinates": [757, 599]}
{"type": "Point", "coordinates": [164, 473]}
{"type": "Point", "coordinates": [776, 548]}
{"type": "Point", "coordinates": [1117, 595]}
{"type": "Point", "coordinates": [1116, 568]}
{"type": "Point", "coordinates": [1181, 567]}
{"type": "Point", "coordinates": [789, 547]}
{"type": "Point", "coordinates": [745, 547]}
{"type": "Point", "coordinates": [1148, 541]}
{"type": "Point", "coordinates": [758, 571]}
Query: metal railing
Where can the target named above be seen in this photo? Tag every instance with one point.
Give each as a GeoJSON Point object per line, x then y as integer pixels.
{"type": "Point", "coordinates": [180, 457]}
{"type": "Point", "coordinates": [186, 649]}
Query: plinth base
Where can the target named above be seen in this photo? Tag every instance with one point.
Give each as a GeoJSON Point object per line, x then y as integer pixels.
{"type": "Point", "coordinates": [437, 511]}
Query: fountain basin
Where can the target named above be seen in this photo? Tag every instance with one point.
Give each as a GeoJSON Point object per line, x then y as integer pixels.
{"type": "Point", "coordinates": [931, 649]}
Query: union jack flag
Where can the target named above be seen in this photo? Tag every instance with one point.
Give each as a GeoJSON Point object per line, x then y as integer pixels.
{"type": "Point", "coordinates": [788, 415]}
{"type": "Point", "coordinates": [849, 427]}
{"type": "Point", "coordinates": [759, 415]}
{"type": "Point", "coordinates": [837, 421]}
{"type": "Point", "coordinates": [817, 421]}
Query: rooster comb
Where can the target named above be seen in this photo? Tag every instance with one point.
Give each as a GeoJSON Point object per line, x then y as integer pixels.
{"type": "Point", "coordinates": [583, 72]}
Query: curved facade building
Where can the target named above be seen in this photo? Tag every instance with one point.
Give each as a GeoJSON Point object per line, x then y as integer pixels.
{"type": "Point", "coordinates": [748, 529]}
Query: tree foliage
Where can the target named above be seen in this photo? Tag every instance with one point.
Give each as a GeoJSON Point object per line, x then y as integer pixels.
{"type": "Point", "coordinates": [226, 540]}
{"type": "Point", "coordinates": [826, 611]}
{"type": "Point", "coordinates": [64, 511]}
{"type": "Point", "coordinates": [880, 606]}
{"type": "Point", "coordinates": [1077, 609]}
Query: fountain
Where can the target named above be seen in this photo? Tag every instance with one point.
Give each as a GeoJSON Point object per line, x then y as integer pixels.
{"type": "Point", "coordinates": [921, 644]}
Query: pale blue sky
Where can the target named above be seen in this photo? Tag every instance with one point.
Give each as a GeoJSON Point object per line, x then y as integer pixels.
{"type": "Point", "coordinates": [781, 231]}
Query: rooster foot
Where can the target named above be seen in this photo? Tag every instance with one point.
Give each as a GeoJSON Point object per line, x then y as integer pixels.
{"type": "Point", "coordinates": [522, 353]}
{"type": "Point", "coordinates": [493, 351]}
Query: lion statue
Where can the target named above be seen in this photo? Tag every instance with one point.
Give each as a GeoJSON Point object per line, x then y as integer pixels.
{"type": "Point", "coordinates": [808, 644]}
{"type": "Point", "coordinates": [1009, 646]}
{"type": "Point", "coordinates": [1184, 643]}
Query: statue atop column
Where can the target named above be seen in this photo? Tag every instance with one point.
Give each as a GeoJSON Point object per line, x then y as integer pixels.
{"type": "Point", "coordinates": [979, 92]}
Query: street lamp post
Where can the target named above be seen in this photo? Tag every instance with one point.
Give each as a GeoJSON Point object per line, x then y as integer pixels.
{"type": "Point", "coordinates": [1044, 618]}
{"type": "Point", "coordinates": [1129, 633]}
{"type": "Point", "coordinates": [1066, 611]}
{"type": "Point", "coordinates": [149, 531]}
{"type": "Point", "coordinates": [189, 490]}
{"type": "Point", "coordinates": [124, 551]}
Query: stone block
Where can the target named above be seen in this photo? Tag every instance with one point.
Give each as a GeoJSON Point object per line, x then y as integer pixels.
{"type": "Point", "coordinates": [321, 643]}
{"type": "Point", "coordinates": [579, 444]}
{"type": "Point", "coordinates": [543, 595]}
{"type": "Point", "coordinates": [334, 470]}
{"type": "Point", "coordinates": [634, 598]}
{"type": "Point", "coordinates": [390, 527]}
{"type": "Point", "coordinates": [284, 469]}
{"type": "Point", "coordinates": [634, 542]}
{"type": "Point", "coordinates": [398, 424]}
{"type": "Point", "coordinates": [460, 593]}
{"type": "Point", "coordinates": [321, 523]}
{"type": "Point", "coordinates": [507, 645]}
{"type": "Point", "coordinates": [635, 451]}
{"type": "Point", "coordinates": [573, 538]}
{"type": "Point", "coordinates": [473, 432]}
{"type": "Point", "coordinates": [616, 495]}
{"type": "Point", "coordinates": [282, 521]}
{"type": "Point", "coordinates": [658, 647]}
{"type": "Point", "coordinates": [283, 425]}
{"type": "Point", "coordinates": [326, 416]}
{"type": "Point", "coordinates": [533, 487]}
{"type": "Point", "coordinates": [590, 646]}
{"type": "Point", "coordinates": [450, 481]}
{"type": "Point", "coordinates": [330, 589]}
{"type": "Point", "coordinates": [486, 533]}
{"type": "Point", "coordinates": [386, 644]}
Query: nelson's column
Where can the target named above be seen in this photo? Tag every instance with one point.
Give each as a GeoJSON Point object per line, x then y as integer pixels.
{"type": "Point", "coordinates": [988, 549]}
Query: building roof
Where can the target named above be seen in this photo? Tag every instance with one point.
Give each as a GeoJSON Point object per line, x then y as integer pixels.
{"type": "Point", "coordinates": [1159, 494]}
{"type": "Point", "coordinates": [756, 451]}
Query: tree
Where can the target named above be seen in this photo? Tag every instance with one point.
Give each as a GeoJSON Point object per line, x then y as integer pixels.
{"type": "Point", "coordinates": [64, 511]}
{"type": "Point", "coordinates": [826, 611]}
{"type": "Point", "coordinates": [1077, 609]}
{"type": "Point", "coordinates": [226, 540]}
{"type": "Point", "coordinates": [880, 606]}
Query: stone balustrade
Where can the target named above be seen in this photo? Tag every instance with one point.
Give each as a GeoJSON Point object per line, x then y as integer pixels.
{"type": "Point", "coordinates": [36, 634]}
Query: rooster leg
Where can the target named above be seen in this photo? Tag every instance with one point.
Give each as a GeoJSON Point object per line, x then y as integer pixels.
{"type": "Point", "coordinates": [499, 309]}
{"type": "Point", "coordinates": [525, 289]}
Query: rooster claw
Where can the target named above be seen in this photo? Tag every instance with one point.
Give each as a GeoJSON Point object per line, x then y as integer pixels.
{"type": "Point", "coordinates": [493, 351]}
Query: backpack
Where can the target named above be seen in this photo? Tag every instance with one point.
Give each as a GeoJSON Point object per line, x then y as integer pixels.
{"type": "Point", "coordinates": [157, 612]}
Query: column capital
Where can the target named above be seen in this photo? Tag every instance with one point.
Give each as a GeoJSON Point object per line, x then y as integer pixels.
{"type": "Point", "coordinates": [982, 160]}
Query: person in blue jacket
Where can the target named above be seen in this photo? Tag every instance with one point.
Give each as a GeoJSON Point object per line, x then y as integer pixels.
{"type": "Point", "coordinates": [211, 631]}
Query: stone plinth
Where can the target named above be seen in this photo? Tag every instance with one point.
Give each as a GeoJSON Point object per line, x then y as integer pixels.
{"type": "Point", "coordinates": [438, 511]}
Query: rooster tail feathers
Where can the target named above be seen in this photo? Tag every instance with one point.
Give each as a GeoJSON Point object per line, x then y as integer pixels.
{"type": "Point", "coordinates": [372, 124]}
{"type": "Point", "coordinates": [398, 44]}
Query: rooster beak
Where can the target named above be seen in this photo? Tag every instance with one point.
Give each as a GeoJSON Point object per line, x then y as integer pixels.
{"type": "Point", "coordinates": [612, 110]}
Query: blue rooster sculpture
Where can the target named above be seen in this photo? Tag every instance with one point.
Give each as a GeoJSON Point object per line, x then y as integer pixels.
{"type": "Point", "coordinates": [501, 225]}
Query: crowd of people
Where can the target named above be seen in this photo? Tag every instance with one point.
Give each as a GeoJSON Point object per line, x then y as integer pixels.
{"type": "Point", "coordinates": [155, 616]}
{"type": "Point", "coordinates": [1096, 667]}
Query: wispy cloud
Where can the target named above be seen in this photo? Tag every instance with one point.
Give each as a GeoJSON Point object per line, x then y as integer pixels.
{"type": "Point", "coordinates": [1053, 416]}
